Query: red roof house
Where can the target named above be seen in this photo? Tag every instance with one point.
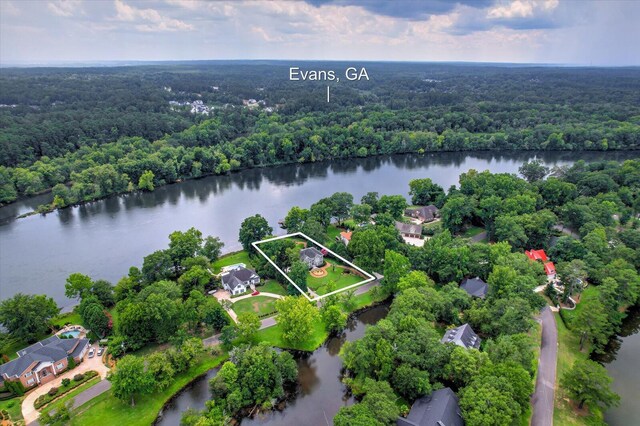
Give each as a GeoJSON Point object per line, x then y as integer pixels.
{"type": "Point", "coordinates": [537, 255]}
{"type": "Point", "coordinates": [549, 268]}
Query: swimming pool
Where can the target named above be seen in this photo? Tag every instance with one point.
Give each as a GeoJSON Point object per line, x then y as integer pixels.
{"type": "Point", "coordinates": [72, 333]}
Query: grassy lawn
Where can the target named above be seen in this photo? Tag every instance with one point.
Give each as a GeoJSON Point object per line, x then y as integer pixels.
{"type": "Point", "coordinates": [260, 305]}
{"type": "Point", "coordinates": [68, 318]}
{"type": "Point", "coordinates": [568, 353]}
{"type": "Point", "coordinates": [231, 259]}
{"type": "Point", "coordinates": [273, 336]}
{"type": "Point", "coordinates": [332, 232]}
{"type": "Point", "coordinates": [589, 293]}
{"type": "Point", "coordinates": [12, 406]}
{"type": "Point", "coordinates": [472, 231]}
{"type": "Point", "coordinates": [336, 278]}
{"type": "Point", "coordinates": [108, 410]}
{"type": "Point", "coordinates": [272, 286]}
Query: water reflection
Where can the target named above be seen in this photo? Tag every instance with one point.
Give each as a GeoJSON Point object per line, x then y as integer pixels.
{"type": "Point", "coordinates": [319, 394]}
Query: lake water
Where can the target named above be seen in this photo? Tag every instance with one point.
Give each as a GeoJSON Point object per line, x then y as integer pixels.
{"type": "Point", "coordinates": [104, 238]}
{"type": "Point", "coordinates": [622, 363]}
{"type": "Point", "coordinates": [320, 392]}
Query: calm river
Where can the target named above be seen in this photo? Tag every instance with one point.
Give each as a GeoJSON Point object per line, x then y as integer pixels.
{"type": "Point", "coordinates": [320, 391]}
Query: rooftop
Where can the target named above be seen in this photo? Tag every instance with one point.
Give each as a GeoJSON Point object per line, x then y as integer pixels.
{"type": "Point", "coordinates": [462, 336]}
{"type": "Point", "coordinates": [438, 409]}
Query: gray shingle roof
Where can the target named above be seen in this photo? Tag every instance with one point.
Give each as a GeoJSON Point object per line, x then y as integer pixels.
{"type": "Point", "coordinates": [408, 228]}
{"type": "Point", "coordinates": [51, 349]}
{"type": "Point", "coordinates": [475, 287]}
{"type": "Point", "coordinates": [438, 409]}
{"type": "Point", "coordinates": [427, 213]}
{"type": "Point", "coordinates": [238, 276]}
{"type": "Point", "coordinates": [462, 336]}
{"type": "Point", "coordinates": [309, 253]}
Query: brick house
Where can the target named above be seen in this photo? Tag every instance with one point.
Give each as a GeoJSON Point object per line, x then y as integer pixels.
{"type": "Point", "coordinates": [43, 361]}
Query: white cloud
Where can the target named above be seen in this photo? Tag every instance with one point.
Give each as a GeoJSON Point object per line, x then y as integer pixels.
{"type": "Point", "coordinates": [65, 8]}
{"type": "Point", "coordinates": [149, 20]}
{"type": "Point", "coordinates": [521, 8]}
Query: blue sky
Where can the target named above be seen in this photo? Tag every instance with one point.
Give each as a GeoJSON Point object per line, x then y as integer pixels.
{"type": "Point", "coordinates": [533, 31]}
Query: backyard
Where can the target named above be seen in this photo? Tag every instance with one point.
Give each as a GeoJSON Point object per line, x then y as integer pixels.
{"type": "Point", "coordinates": [335, 279]}
{"type": "Point", "coordinates": [232, 259]}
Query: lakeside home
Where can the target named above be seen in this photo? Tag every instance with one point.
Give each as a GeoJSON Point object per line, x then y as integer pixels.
{"type": "Point", "coordinates": [43, 361]}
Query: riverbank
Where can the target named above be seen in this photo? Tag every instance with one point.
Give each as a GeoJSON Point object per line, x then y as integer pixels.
{"type": "Point", "coordinates": [106, 409]}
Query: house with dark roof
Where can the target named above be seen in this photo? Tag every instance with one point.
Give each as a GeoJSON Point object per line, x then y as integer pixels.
{"type": "Point", "coordinates": [43, 361]}
{"type": "Point", "coordinates": [409, 230]}
{"type": "Point", "coordinates": [475, 287]}
{"type": "Point", "coordinates": [312, 257]}
{"type": "Point", "coordinates": [238, 280]}
{"type": "Point", "coordinates": [423, 214]}
{"type": "Point", "coordinates": [438, 409]}
{"type": "Point", "coordinates": [462, 336]}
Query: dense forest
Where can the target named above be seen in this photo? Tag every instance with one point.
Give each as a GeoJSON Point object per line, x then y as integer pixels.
{"type": "Point", "coordinates": [90, 132]}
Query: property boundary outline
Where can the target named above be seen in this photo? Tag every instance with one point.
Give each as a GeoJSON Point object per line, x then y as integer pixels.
{"type": "Point", "coordinates": [370, 278]}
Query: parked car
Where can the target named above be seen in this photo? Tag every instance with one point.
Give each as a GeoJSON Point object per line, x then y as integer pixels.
{"type": "Point", "coordinates": [100, 351]}
{"type": "Point", "coordinates": [92, 352]}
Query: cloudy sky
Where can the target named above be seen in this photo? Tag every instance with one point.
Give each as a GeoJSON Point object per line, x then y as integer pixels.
{"type": "Point", "coordinates": [602, 32]}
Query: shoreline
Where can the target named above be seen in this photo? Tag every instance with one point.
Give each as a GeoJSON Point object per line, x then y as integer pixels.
{"type": "Point", "coordinates": [45, 209]}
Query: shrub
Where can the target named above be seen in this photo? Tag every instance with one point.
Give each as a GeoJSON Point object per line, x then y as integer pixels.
{"type": "Point", "coordinates": [53, 391]}
{"type": "Point", "coordinates": [78, 377]}
{"type": "Point", "coordinates": [65, 382]}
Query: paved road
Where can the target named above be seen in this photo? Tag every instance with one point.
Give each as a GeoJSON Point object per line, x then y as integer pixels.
{"type": "Point", "coordinates": [543, 397]}
{"type": "Point", "coordinates": [480, 237]}
{"type": "Point", "coordinates": [566, 231]}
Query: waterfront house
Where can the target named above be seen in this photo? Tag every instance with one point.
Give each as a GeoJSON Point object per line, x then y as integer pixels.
{"type": "Point", "coordinates": [43, 361]}
{"type": "Point", "coordinates": [312, 257]}
{"type": "Point", "coordinates": [423, 214]}
{"type": "Point", "coordinates": [409, 230]}
{"type": "Point", "coordinates": [238, 280]}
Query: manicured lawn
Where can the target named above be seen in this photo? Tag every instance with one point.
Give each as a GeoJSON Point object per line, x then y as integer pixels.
{"type": "Point", "coordinates": [273, 336]}
{"type": "Point", "coordinates": [337, 278]}
{"type": "Point", "coordinates": [260, 305]}
{"type": "Point", "coordinates": [68, 318]}
{"type": "Point", "coordinates": [272, 286]}
{"type": "Point", "coordinates": [568, 353]}
{"type": "Point", "coordinates": [231, 259]}
{"type": "Point", "coordinates": [108, 410]}
{"type": "Point", "coordinates": [12, 406]}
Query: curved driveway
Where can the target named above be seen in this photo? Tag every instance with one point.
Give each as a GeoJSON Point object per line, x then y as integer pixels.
{"type": "Point", "coordinates": [543, 397]}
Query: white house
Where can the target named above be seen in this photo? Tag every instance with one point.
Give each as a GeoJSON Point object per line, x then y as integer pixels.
{"type": "Point", "coordinates": [238, 280]}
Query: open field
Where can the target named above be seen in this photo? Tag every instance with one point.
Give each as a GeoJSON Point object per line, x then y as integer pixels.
{"type": "Point", "coordinates": [271, 286]}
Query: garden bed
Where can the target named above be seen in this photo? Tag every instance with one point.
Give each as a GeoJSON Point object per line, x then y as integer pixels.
{"type": "Point", "coordinates": [43, 400]}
